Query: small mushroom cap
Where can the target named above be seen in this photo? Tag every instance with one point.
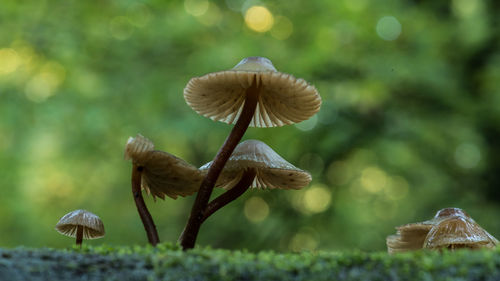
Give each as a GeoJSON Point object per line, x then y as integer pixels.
{"type": "Point", "coordinates": [163, 173]}
{"type": "Point", "coordinates": [283, 98]}
{"type": "Point", "coordinates": [92, 224]}
{"type": "Point", "coordinates": [137, 148]}
{"type": "Point", "coordinates": [409, 237]}
{"type": "Point", "coordinates": [449, 212]}
{"type": "Point", "coordinates": [458, 231]}
{"type": "Point", "coordinates": [272, 170]}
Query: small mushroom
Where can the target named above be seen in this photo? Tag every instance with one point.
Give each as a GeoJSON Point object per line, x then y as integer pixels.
{"type": "Point", "coordinates": [252, 93]}
{"type": "Point", "coordinates": [269, 169]}
{"type": "Point", "coordinates": [450, 228]}
{"type": "Point", "coordinates": [81, 224]}
{"type": "Point", "coordinates": [159, 173]}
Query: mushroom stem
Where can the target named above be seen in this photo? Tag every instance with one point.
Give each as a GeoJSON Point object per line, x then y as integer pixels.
{"type": "Point", "coordinates": [146, 218]}
{"type": "Point", "coordinates": [230, 195]}
{"type": "Point", "coordinates": [79, 235]}
{"type": "Point", "coordinates": [188, 238]}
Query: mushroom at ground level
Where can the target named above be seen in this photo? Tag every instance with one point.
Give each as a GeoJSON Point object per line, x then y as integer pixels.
{"type": "Point", "coordinates": [81, 224]}
{"type": "Point", "coordinates": [450, 228]}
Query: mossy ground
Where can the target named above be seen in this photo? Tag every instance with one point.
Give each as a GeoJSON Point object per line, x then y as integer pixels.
{"type": "Point", "coordinates": [167, 262]}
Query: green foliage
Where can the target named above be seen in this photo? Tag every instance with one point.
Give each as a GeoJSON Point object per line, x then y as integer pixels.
{"type": "Point", "coordinates": [408, 125]}
{"type": "Point", "coordinates": [168, 262]}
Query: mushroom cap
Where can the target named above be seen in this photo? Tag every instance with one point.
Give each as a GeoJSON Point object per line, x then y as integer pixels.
{"type": "Point", "coordinates": [92, 224]}
{"type": "Point", "coordinates": [166, 174]}
{"type": "Point", "coordinates": [449, 227]}
{"type": "Point", "coordinates": [449, 212]}
{"type": "Point", "coordinates": [408, 237]}
{"type": "Point", "coordinates": [458, 231]}
{"type": "Point", "coordinates": [163, 173]}
{"type": "Point", "coordinates": [137, 148]}
{"type": "Point", "coordinates": [272, 171]}
{"type": "Point", "coordinates": [283, 99]}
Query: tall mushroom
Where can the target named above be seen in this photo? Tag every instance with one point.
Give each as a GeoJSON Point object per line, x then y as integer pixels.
{"type": "Point", "coordinates": [160, 174]}
{"type": "Point", "coordinates": [81, 224]}
{"type": "Point", "coordinates": [254, 164]}
{"type": "Point", "coordinates": [252, 93]}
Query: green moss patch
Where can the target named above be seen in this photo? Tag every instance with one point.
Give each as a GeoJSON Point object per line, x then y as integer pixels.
{"type": "Point", "coordinates": [167, 262]}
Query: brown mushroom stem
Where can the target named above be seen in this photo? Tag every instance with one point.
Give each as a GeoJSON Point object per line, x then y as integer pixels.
{"type": "Point", "coordinates": [230, 195]}
{"type": "Point", "coordinates": [146, 218]}
{"type": "Point", "coordinates": [188, 238]}
{"type": "Point", "coordinates": [79, 235]}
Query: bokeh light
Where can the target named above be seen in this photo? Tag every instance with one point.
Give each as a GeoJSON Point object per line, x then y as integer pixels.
{"type": "Point", "coordinates": [373, 179]}
{"type": "Point", "coordinates": [304, 240]}
{"type": "Point", "coordinates": [308, 124]}
{"type": "Point", "coordinates": [467, 155]}
{"type": "Point", "coordinates": [317, 199]}
{"type": "Point", "coordinates": [196, 7]}
{"type": "Point", "coordinates": [259, 18]}
{"type": "Point", "coordinates": [44, 84]}
{"type": "Point", "coordinates": [212, 16]}
{"type": "Point", "coordinates": [9, 61]}
{"type": "Point", "coordinates": [282, 28]}
{"type": "Point", "coordinates": [256, 209]}
{"type": "Point", "coordinates": [121, 28]}
{"type": "Point", "coordinates": [388, 28]}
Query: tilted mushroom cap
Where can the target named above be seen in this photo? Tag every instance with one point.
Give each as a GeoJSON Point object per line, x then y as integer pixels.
{"type": "Point", "coordinates": [137, 148]}
{"type": "Point", "coordinates": [408, 237]}
{"type": "Point", "coordinates": [283, 98]}
{"type": "Point", "coordinates": [92, 224]}
{"type": "Point", "coordinates": [163, 173]}
{"type": "Point", "coordinates": [458, 232]}
{"type": "Point", "coordinates": [272, 170]}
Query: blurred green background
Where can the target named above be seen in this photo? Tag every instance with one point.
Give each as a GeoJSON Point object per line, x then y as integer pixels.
{"type": "Point", "coordinates": [410, 121]}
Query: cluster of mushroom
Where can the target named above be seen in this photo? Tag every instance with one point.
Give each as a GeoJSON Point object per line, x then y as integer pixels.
{"type": "Point", "coordinates": [451, 228]}
{"type": "Point", "coordinates": [253, 93]}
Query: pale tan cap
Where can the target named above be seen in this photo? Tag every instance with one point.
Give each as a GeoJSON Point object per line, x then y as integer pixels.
{"type": "Point", "coordinates": [449, 227]}
{"type": "Point", "coordinates": [163, 173]}
{"type": "Point", "coordinates": [272, 170]}
{"type": "Point", "coordinates": [283, 98]}
{"type": "Point", "coordinates": [459, 231]}
{"type": "Point", "coordinates": [408, 237]}
{"type": "Point", "coordinates": [93, 227]}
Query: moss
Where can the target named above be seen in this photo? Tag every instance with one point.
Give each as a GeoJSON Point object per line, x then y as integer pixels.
{"type": "Point", "coordinates": [168, 262]}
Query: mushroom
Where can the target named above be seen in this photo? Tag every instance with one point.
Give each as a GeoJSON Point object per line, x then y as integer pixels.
{"type": "Point", "coordinates": [450, 228]}
{"type": "Point", "coordinates": [255, 159]}
{"type": "Point", "coordinates": [281, 98]}
{"type": "Point", "coordinates": [81, 224]}
{"type": "Point", "coordinates": [159, 173]}
{"type": "Point", "coordinates": [456, 229]}
{"type": "Point", "coordinates": [252, 93]}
